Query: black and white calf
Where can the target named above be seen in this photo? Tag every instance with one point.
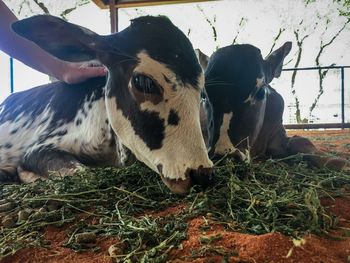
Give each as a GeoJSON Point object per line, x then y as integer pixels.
{"type": "Point", "coordinates": [248, 111]}
{"type": "Point", "coordinates": [150, 105]}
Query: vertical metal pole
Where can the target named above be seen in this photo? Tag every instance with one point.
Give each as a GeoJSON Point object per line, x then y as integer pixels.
{"type": "Point", "coordinates": [113, 12]}
{"type": "Point", "coordinates": [12, 87]}
{"type": "Point", "coordinates": [116, 20]}
{"type": "Point", "coordinates": [342, 98]}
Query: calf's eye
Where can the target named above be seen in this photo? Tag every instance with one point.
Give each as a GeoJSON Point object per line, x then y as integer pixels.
{"type": "Point", "coordinates": [145, 84]}
{"type": "Point", "coordinates": [203, 97]}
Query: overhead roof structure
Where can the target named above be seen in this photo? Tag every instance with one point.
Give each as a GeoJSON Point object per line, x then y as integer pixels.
{"type": "Point", "coordinates": [114, 5]}
{"type": "Point", "coordinates": [137, 3]}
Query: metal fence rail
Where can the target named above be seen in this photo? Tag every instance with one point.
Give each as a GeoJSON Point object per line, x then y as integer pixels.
{"type": "Point", "coordinates": [342, 125]}
{"type": "Point", "coordinates": [342, 103]}
{"type": "Point", "coordinates": [12, 83]}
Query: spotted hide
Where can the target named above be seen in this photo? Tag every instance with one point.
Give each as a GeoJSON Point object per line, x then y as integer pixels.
{"type": "Point", "coordinates": [248, 111]}
{"type": "Point", "coordinates": [149, 106]}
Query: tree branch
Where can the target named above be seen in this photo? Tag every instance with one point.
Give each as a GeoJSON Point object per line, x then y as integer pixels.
{"type": "Point", "coordinates": [211, 24]}
{"type": "Point", "coordinates": [323, 73]}
{"type": "Point", "coordinates": [280, 31]}
{"type": "Point", "coordinates": [42, 6]}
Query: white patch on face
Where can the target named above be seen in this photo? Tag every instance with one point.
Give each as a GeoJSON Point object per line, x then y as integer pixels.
{"type": "Point", "coordinates": [224, 145]}
{"type": "Point", "coordinates": [183, 146]}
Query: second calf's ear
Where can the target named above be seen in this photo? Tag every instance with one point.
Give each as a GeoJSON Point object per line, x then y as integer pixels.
{"type": "Point", "coordinates": [274, 62]}
{"type": "Point", "coordinates": [202, 58]}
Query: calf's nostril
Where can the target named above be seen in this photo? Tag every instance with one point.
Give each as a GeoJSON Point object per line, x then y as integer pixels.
{"type": "Point", "coordinates": [201, 176]}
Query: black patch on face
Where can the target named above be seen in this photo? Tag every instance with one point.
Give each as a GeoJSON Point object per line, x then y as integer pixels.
{"type": "Point", "coordinates": [152, 125]}
{"type": "Point", "coordinates": [146, 124]}
{"type": "Point", "coordinates": [163, 42]}
{"type": "Point", "coordinates": [173, 118]}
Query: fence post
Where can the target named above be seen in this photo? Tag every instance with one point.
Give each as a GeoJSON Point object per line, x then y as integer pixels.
{"type": "Point", "coordinates": [342, 98]}
{"type": "Point", "coordinates": [12, 88]}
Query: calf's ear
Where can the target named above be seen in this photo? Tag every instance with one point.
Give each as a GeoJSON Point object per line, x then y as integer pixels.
{"type": "Point", "coordinates": [273, 63]}
{"type": "Point", "coordinates": [64, 40]}
{"type": "Point", "coordinates": [202, 58]}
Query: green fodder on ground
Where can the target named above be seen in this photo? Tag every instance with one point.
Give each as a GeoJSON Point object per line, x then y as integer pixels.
{"type": "Point", "coordinates": [255, 198]}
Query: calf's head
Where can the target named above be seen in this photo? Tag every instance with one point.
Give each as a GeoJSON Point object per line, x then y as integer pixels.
{"type": "Point", "coordinates": [237, 79]}
{"type": "Point", "coordinates": [152, 92]}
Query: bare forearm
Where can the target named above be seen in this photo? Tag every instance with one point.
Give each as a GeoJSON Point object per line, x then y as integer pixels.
{"type": "Point", "coordinates": [24, 50]}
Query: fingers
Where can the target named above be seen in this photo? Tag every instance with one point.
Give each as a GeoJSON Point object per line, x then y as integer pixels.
{"type": "Point", "coordinates": [95, 71]}
{"type": "Point", "coordinates": [76, 73]}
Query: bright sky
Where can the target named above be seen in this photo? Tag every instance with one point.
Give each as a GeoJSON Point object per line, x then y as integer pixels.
{"type": "Point", "coordinates": [262, 19]}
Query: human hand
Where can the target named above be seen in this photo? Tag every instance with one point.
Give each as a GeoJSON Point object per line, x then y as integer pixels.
{"type": "Point", "coordinates": [73, 73]}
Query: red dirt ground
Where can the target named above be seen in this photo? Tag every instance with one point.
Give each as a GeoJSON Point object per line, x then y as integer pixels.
{"type": "Point", "coordinates": [272, 247]}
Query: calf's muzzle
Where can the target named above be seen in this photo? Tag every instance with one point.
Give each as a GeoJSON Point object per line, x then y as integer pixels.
{"type": "Point", "coordinates": [201, 176]}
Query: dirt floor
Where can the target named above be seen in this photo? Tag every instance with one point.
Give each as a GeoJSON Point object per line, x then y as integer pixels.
{"type": "Point", "coordinates": [272, 247]}
{"type": "Point", "coordinates": [334, 141]}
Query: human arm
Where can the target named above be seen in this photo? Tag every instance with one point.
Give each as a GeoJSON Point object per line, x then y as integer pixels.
{"type": "Point", "coordinates": [35, 57]}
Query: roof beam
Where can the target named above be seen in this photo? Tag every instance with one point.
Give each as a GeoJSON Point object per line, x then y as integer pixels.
{"type": "Point", "coordinates": [104, 4]}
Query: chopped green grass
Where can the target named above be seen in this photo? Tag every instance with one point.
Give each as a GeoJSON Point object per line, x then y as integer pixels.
{"type": "Point", "coordinates": [255, 198]}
